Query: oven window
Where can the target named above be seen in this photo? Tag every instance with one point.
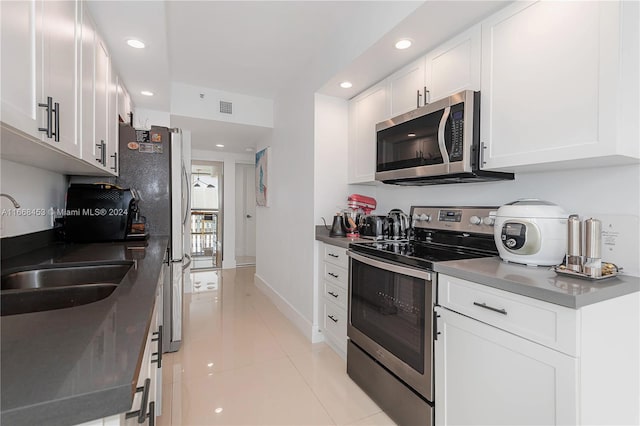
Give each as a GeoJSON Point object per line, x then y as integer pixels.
{"type": "Point", "coordinates": [410, 144]}
{"type": "Point", "coordinates": [390, 309]}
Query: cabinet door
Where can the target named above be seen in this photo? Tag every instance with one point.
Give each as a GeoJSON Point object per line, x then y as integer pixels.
{"type": "Point", "coordinates": [548, 88]}
{"type": "Point", "coordinates": [365, 111]}
{"type": "Point", "coordinates": [21, 71]}
{"type": "Point", "coordinates": [101, 104]}
{"type": "Point", "coordinates": [488, 376]}
{"type": "Point", "coordinates": [407, 88]}
{"type": "Point", "coordinates": [454, 66]}
{"type": "Point", "coordinates": [112, 123]}
{"type": "Point", "coordinates": [87, 88]}
{"type": "Point", "coordinates": [60, 34]}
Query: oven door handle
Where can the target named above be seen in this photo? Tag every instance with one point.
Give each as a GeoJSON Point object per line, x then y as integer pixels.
{"type": "Point", "coordinates": [392, 267]}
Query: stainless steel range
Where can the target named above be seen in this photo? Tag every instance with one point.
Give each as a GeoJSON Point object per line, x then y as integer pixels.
{"type": "Point", "coordinates": [392, 293]}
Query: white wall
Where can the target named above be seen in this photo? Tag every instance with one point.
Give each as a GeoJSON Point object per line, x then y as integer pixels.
{"type": "Point", "coordinates": [145, 118]}
{"type": "Point", "coordinates": [32, 188]}
{"type": "Point", "coordinates": [285, 231]}
{"type": "Point", "coordinates": [611, 194]}
{"type": "Point", "coordinates": [186, 100]}
{"type": "Point", "coordinates": [228, 198]}
{"type": "Point", "coordinates": [330, 176]}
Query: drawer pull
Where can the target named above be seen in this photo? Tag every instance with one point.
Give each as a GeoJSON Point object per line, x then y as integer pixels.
{"type": "Point", "coordinates": [141, 414]}
{"type": "Point", "coordinates": [332, 274]}
{"type": "Point", "coordinates": [332, 318]}
{"type": "Point", "coordinates": [333, 255]}
{"type": "Point", "coordinates": [158, 338]}
{"type": "Point", "coordinates": [484, 305]}
{"type": "Point", "coordinates": [333, 294]}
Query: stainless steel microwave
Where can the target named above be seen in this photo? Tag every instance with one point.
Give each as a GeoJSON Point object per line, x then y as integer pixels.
{"type": "Point", "coordinates": [435, 144]}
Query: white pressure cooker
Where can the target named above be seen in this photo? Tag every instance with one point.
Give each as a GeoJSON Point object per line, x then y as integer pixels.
{"type": "Point", "coordinates": [532, 232]}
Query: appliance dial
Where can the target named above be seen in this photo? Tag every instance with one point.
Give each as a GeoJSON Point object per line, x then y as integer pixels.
{"type": "Point", "coordinates": [475, 220]}
{"type": "Point", "coordinates": [489, 221]}
{"type": "Point", "coordinates": [425, 217]}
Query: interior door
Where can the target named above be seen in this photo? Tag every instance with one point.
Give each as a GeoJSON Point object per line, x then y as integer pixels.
{"type": "Point", "coordinates": [245, 214]}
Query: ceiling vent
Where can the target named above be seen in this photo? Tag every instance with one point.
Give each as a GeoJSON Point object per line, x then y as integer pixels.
{"type": "Point", "coordinates": [226, 107]}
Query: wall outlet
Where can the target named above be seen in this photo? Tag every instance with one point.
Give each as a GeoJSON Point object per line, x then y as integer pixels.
{"type": "Point", "coordinates": [620, 241]}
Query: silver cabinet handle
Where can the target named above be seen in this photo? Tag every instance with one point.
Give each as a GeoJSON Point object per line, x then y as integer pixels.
{"type": "Point", "coordinates": [333, 255]}
{"type": "Point", "coordinates": [491, 308]}
{"type": "Point", "coordinates": [332, 274]}
{"type": "Point", "coordinates": [49, 106]}
{"type": "Point", "coordinates": [331, 317]}
{"type": "Point", "coordinates": [419, 95]}
{"type": "Point", "coordinates": [100, 146]}
{"type": "Point", "coordinates": [426, 92]}
{"type": "Point", "coordinates": [115, 162]}
{"type": "Point", "coordinates": [482, 149]}
{"type": "Point", "coordinates": [333, 294]}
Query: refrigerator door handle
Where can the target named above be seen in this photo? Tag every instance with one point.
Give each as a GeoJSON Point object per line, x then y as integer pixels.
{"type": "Point", "coordinates": [188, 187]}
{"type": "Point", "coordinates": [186, 265]}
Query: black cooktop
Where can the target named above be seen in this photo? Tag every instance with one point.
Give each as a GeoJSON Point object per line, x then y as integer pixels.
{"type": "Point", "coordinates": [421, 254]}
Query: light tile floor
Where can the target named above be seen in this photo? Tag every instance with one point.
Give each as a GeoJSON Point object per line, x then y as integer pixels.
{"type": "Point", "coordinates": [243, 363]}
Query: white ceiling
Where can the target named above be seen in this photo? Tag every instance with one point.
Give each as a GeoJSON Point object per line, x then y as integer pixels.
{"type": "Point", "coordinates": [256, 47]}
{"type": "Point", "coordinates": [205, 134]}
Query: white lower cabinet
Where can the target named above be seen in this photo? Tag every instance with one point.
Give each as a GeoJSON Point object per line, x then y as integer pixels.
{"type": "Point", "coordinates": [334, 269]}
{"type": "Point", "coordinates": [506, 359]}
{"type": "Point", "coordinates": [489, 376]}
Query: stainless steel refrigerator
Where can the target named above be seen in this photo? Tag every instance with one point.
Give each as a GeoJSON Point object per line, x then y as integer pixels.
{"type": "Point", "coordinates": [156, 163]}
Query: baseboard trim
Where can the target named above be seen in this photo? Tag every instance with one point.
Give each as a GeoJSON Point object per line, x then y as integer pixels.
{"type": "Point", "coordinates": [310, 331]}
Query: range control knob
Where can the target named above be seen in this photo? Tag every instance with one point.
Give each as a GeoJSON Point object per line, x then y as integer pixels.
{"type": "Point", "coordinates": [425, 217]}
{"type": "Point", "coordinates": [489, 221]}
{"type": "Point", "coordinates": [475, 220]}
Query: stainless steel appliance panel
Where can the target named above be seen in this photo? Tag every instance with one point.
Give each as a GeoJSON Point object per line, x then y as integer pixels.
{"type": "Point", "coordinates": [390, 317]}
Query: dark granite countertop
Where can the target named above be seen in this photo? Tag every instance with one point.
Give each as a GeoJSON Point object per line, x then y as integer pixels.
{"type": "Point", "coordinates": [539, 282]}
{"type": "Point", "coordinates": [322, 234]}
{"type": "Point", "coordinates": [69, 366]}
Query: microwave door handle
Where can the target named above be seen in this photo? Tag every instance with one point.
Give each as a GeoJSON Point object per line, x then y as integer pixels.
{"type": "Point", "coordinates": [441, 144]}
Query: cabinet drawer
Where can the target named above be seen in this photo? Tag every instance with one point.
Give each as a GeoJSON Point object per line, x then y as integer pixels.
{"type": "Point", "coordinates": [335, 294]}
{"type": "Point", "coordinates": [336, 275]}
{"type": "Point", "coordinates": [335, 322]}
{"type": "Point", "coordinates": [551, 325]}
{"type": "Point", "coordinates": [336, 255]}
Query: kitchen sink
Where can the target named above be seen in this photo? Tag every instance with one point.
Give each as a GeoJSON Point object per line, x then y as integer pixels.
{"type": "Point", "coordinates": [57, 287]}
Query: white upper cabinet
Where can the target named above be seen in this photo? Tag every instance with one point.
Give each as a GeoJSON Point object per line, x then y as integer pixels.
{"type": "Point", "coordinates": [87, 89]}
{"type": "Point", "coordinates": [55, 87]}
{"type": "Point", "coordinates": [551, 92]}
{"type": "Point", "coordinates": [60, 34]}
{"type": "Point", "coordinates": [454, 66]}
{"type": "Point", "coordinates": [111, 154]}
{"type": "Point", "coordinates": [21, 68]}
{"type": "Point", "coordinates": [407, 88]}
{"type": "Point", "coordinates": [365, 111]}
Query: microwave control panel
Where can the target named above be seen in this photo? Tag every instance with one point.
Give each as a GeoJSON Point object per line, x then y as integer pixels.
{"type": "Point", "coordinates": [457, 132]}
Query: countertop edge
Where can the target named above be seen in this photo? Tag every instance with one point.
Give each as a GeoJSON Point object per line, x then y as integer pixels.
{"type": "Point", "coordinates": [625, 285]}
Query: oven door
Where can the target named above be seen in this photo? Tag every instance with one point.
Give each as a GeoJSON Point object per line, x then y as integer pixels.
{"type": "Point", "coordinates": [391, 317]}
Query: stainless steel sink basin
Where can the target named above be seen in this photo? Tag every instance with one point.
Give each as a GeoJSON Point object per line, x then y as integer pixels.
{"type": "Point", "coordinates": [58, 287]}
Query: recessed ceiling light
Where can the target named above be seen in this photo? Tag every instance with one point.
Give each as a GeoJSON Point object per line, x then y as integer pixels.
{"type": "Point", "coordinates": [146, 93]}
{"type": "Point", "coordinates": [136, 44]}
{"type": "Point", "coordinates": [346, 85]}
{"type": "Point", "coordinates": [219, 145]}
{"type": "Point", "coordinates": [405, 43]}
{"type": "Point", "coordinates": [411, 135]}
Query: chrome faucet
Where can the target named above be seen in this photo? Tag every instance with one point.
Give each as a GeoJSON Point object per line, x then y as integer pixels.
{"type": "Point", "coordinates": [13, 200]}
